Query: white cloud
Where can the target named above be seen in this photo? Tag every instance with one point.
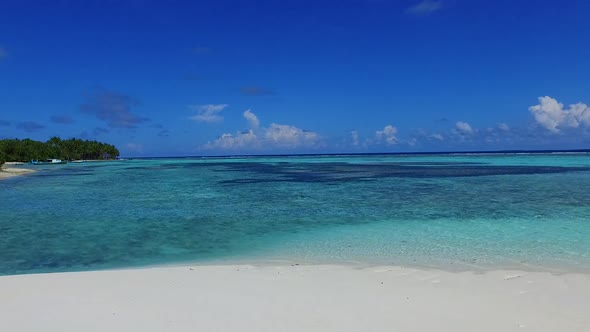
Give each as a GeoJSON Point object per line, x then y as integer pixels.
{"type": "Point", "coordinates": [273, 137]}
{"type": "Point", "coordinates": [387, 134]}
{"type": "Point", "coordinates": [503, 127]}
{"type": "Point", "coordinates": [208, 113]}
{"type": "Point", "coordinates": [551, 115]}
{"type": "Point", "coordinates": [463, 128]}
{"type": "Point", "coordinates": [252, 118]}
{"type": "Point", "coordinates": [463, 134]}
{"type": "Point", "coordinates": [425, 7]}
{"type": "Point", "coordinates": [437, 137]}
{"type": "Point", "coordinates": [355, 137]}
{"type": "Point", "coordinates": [239, 140]}
{"type": "Point", "coordinates": [290, 136]}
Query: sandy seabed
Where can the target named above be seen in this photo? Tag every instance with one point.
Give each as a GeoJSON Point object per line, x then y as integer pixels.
{"type": "Point", "coordinates": [7, 172]}
{"type": "Point", "coordinates": [294, 298]}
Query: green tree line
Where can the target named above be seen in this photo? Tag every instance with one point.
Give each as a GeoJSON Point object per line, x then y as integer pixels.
{"type": "Point", "coordinates": [69, 149]}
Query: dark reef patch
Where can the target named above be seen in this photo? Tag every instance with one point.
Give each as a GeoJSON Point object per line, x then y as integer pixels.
{"type": "Point", "coordinates": [344, 172]}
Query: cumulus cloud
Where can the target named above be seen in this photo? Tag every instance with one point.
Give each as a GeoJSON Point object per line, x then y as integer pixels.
{"type": "Point", "coordinates": [412, 141]}
{"type": "Point", "coordinates": [290, 136]}
{"type": "Point", "coordinates": [275, 136]}
{"type": "Point", "coordinates": [113, 108]}
{"type": "Point", "coordinates": [30, 126]}
{"type": "Point", "coordinates": [241, 140]}
{"type": "Point", "coordinates": [503, 127]}
{"type": "Point", "coordinates": [425, 7]}
{"type": "Point", "coordinates": [387, 135]}
{"type": "Point", "coordinates": [437, 137]}
{"type": "Point", "coordinates": [208, 113]}
{"type": "Point", "coordinates": [551, 115]}
{"type": "Point", "coordinates": [500, 136]}
{"type": "Point", "coordinates": [463, 128]}
{"type": "Point", "coordinates": [62, 119]}
{"type": "Point", "coordinates": [354, 135]}
{"type": "Point", "coordinates": [256, 91]}
{"type": "Point", "coordinates": [252, 118]}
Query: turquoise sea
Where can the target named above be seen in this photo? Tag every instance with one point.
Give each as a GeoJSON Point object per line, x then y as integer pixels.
{"type": "Point", "coordinates": [457, 212]}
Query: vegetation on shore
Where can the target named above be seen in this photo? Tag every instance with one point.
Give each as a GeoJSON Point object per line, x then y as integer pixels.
{"type": "Point", "coordinates": [71, 149]}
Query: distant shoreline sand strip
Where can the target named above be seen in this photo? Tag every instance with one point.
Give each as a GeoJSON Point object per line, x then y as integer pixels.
{"type": "Point", "coordinates": [294, 298]}
{"type": "Point", "coordinates": [8, 172]}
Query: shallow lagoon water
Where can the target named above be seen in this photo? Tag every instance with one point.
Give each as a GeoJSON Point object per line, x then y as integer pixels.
{"type": "Point", "coordinates": [444, 211]}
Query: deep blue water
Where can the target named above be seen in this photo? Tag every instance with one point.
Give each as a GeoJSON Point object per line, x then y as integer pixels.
{"type": "Point", "coordinates": [445, 211]}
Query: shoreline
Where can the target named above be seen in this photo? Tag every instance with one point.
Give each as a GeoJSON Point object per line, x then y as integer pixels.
{"type": "Point", "coordinates": [360, 265]}
{"type": "Point", "coordinates": [295, 298]}
{"type": "Point", "coordinates": [353, 265]}
{"type": "Point", "coordinates": [9, 172]}
{"type": "Point", "coordinates": [286, 262]}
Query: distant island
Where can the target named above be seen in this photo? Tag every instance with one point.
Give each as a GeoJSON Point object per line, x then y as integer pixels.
{"type": "Point", "coordinates": [16, 150]}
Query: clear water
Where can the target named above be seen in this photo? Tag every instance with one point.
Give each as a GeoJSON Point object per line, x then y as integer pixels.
{"type": "Point", "coordinates": [445, 211]}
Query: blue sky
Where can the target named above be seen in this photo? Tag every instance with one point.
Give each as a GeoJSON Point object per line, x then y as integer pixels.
{"type": "Point", "coordinates": [166, 78]}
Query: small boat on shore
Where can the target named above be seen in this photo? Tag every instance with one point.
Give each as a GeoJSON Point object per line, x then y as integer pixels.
{"type": "Point", "coordinates": [48, 162]}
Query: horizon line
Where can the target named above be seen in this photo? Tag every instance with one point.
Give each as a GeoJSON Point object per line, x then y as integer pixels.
{"type": "Point", "coordinates": [515, 151]}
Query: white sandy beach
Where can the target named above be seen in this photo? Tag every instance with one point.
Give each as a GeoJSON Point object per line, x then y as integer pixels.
{"type": "Point", "coordinates": [294, 298]}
